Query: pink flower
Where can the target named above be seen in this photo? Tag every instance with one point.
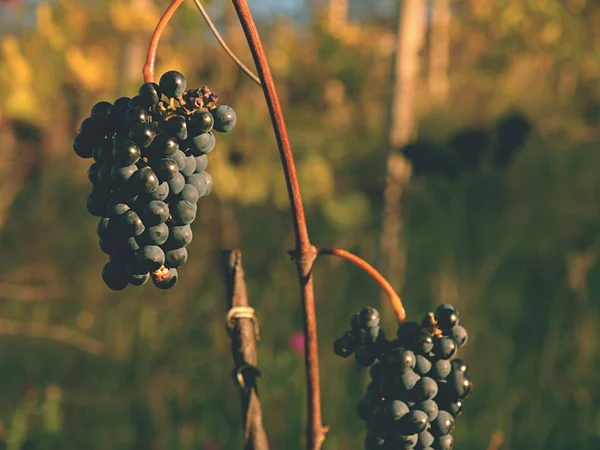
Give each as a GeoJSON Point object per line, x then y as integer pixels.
{"type": "Point", "coordinates": [296, 342]}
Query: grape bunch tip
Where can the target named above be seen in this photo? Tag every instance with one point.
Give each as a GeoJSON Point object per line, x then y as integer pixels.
{"type": "Point", "coordinates": [150, 157]}
{"type": "Point", "coordinates": [417, 390]}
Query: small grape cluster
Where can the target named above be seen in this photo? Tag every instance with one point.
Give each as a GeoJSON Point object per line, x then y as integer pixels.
{"type": "Point", "coordinates": [150, 155]}
{"type": "Point", "coordinates": [416, 390]}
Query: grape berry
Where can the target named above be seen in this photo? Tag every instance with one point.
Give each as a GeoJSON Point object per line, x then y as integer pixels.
{"type": "Point", "coordinates": [416, 389]}
{"type": "Point", "coordinates": [150, 154]}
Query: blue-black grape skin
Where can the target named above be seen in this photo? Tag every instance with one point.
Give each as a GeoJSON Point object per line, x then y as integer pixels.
{"type": "Point", "coordinates": [202, 144]}
{"type": "Point", "coordinates": [345, 345]}
{"type": "Point", "coordinates": [446, 316]}
{"type": "Point", "coordinates": [180, 158]}
{"type": "Point", "coordinates": [189, 193]}
{"type": "Point", "coordinates": [190, 166]}
{"type": "Point", "coordinates": [459, 384]}
{"type": "Point", "coordinates": [397, 409]}
{"type": "Point", "coordinates": [199, 181]}
{"type": "Point", "coordinates": [126, 152]}
{"type": "Point", "coordinates": [155, 212]}
{"type": "Point", "coordinates": [150, 94]}
{"type": "Point", "coordinates": [135, 115]}
{"type": "Point", "coordinates": [168, 281]}
{"type": "Point", "coordinates": [459, 365]}
{"type": "Point", "coordinates": [444, 347]}
{"type": "Point", "coordinates": [201, 122]}
{"type": "Point", "coordinates": [115, 276]}
{"type": "Point", "coordinates": [176, 257]}
{"type": "Point", "coordinates": [116, 207]}
{"type": "Point", "coordinates": [179, 236]}
{"type": "Point", "coordinates": [404, 359]}
{"type": "Point", "coordinates": [422, 365]}
{"type": "Point", "coordinates": [414, 422]}
{"type": "Point", "coordinates": [167, 169]}
{"type": "Point", "coordinates": [160, 193]}
{"type": "Point", "coordinates": [103, 227]}
{"type": "Point", "coordinates": [93, 172]}
{"type": "Point", "coordinates": [225, 118]}
{"type": "Point", "coordinates": [459, 334]}
{"type": "Point", "coordinates": [176, 184]}
{"type": "Point", "coordinates": [117, 114]}
{"type": "Point", "coordinates": [201, 163]}
{"type": "Point", "coordinates": [131, 224]}
{"type": "Point", "coordinates": [101, 111]}
{"type": "Point", "coordinates": [172, 84]}
{"type": "Point", "coordinates": [121, 174]}
{"type": "Point", "coordinates": [368, 317]}
{"type": "Point", "coordinates": [156, 235]}
{"type": "Point", "coordinates": [176, 126]}
{"type": "Point", "coordinates": [408, 380]}
{"type": "Point", "coordinates": [444, 443]}
{"type": "Point", "coordinates": [443, 424]}
{"type": "Point", "coordinates": [407, 332]}
{"type": "Point", "coordinates": [142, 134]}
{"type": "Point", "coordinates": [96, 203]}
{"type": "Point", "coordinates": [163, 146]}
{"type": "Point", "coordinates": [364, 356]}
{"type": "Point", "coordinates": [83, 146]}
{"type": "Point", "coordinates": [145, 180]}
{"type": "Point", "coordinates": [429, 407]}
{"type": "Point", "coordinates": [151, 258]}
{"type": "Point", "coordinates": [137, 279]}
{"type": "Point", "coordinates": [364, 408]}
{"type": "Point", "coordinates": [425, 440]}
{"type": "Point", "coordinates": [440, 369]}
{"type": "Point", "coordinates": [427, 388]}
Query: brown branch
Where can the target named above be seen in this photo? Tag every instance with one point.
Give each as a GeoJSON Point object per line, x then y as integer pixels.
{"type": "Point", "coordinates": [223, 44]}
{"type": "Point", "coordinates": [243, 349]}
{"type": "Point", "coordinates": [305, 253]}
{"type": "Point", "coordinates": [148, 70]}
{"type": "Point", "coordinates": [393, 297]}
{"type": "Point", "coordinates": [58, 333]}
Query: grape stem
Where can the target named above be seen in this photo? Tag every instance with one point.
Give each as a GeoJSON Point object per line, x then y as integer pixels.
{"type": "Point", "coordinates": [304, 253]}
{"type": "Point", "coordinates": [223, 44]}
{"type": "Point", "coordinates": [394, 298]}
{"type": "Point", "coordinates": [148, 70]}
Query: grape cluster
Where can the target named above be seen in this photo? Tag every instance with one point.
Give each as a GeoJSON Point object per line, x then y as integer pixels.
{"type": "Point", "coordinates": [417, 389]}
{"type": "Point", "coordinates": [150, 154]}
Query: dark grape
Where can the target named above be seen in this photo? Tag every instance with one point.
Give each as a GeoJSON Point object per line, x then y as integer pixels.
{"type": "Point", "coordinates": [201, 182]}
{"type": "Point", "coordinates": [176, 184]}
{"type": "Point", "coordinates": [445, 442]}
{"type": "Point", "coordinates": [103, 227]}
{"type": "Point", "coordinates": [408, 380]}
{"type": "Point", "coordinates": [115, 276]}
{"type": "Point", "coordinates": [160, 193]}
{"type": "Point", "coordinates": [119, 109]}
{"type": "Point", "coordinates": [151, 258]}
{"type": "Point", "coordinates": [422, 365]}
{"type": "Point", "coordinates": [163, 146]}
{"type": "Point", "coordinates": [202, 144]}
{"type": "Point", "coordinates": [142, 134]}
{"type": "Point", "coordinates": [103, 152]}
{"type": "Point", "coordinates": [404, 359]}
{"type": "Point", "coordinates": [97, 202]}
{"type": "Point", "coordinates": [190, 166]}
{"type": "Point", "coordinates": [364, 408]}
{"type": "Point", "coordinates": [429, 407]}
{"type": "Point", "coordinates": [135, 115]}
{"type": "Point", "coordinates": [201, 122]}
{"type": "Point", "coordinates": [105, 177]}
{"type": "Point", "coordinates": [179, 236]}
{"type": "Point", "coordinates": [90, 129]}
{"type": "Point", "coordinates": [403, 441]}
{"type": "Point", "coordinates": [368, 317]}
{"type": "Point", "coordinates": [126, 152]}
{"type": "Point", "coordinates": [167, 168]}
{"type": "Point", "coordinates": [459, 384]}
{"type": "Point", "coordinates": [407, 332]}
{"type": "Point", "coordinates": [423, 342]}
{"type": "Point", "coordinates": [121, 174]}
{"type": "Point", "coordinates": [443, 424]}
{"type": "Point", "coordinates": [426, 388]}
{"type": "Point", "coordinates": [446, 316]}
{"type": "Point", "coordinates": [346, 345]}
{"type": "Point", "coordinates": [176, 126]}
{"type": "Point", "coordinates": [131, 224]}
{"type": "Point", "coordinates": [83, 147]}
{"type": "Point", "coordinates": [145, 180]}
{"type": "Point", "coordinates": [116, 207]}
{"type": "Point", "coordinates": [364, 356]}
{"type": "Point", "coordinates": [172, 84]}
{"type": "Point", "coordinates": [166, 281]}
{"type": "Point", "coordinates": [176, 257]}
{"type": "Point", "coordinates": [180, 159]}
{"type": "Point", "coordinates": [150, 94]}
{"type": "Point", "coordinates": [440, 369]}
{"type": "Point", "coordinates": [156, 235]}
{"type": "Point", "coordinates": [201, 163]}
{"type": "Point", "coordinates": [138, 279]}
{"type": "Point", "coordinates": [459, 334]}
{"type": "Point", "coordinates": [155, 212]}
{"type": "Point", "coordinates": [414, 422]}
{"type": "Point", "coordinates": [453, 407]}
{"type": "Point", "coordinates": [459, 365]}
{"type": "Point", "coordinates": [101, 111]}
{"type": "Point", "coordinates": [425, 439]}
{"type": "Point", "coordinates": [375, 371]}
{"type": "Point", "coordinates": [189, 193]}
{"type": "Point", "coordinates": [444, 347]}
{"type": "Point", "coordinates": [225, 118]}
{"type": "Point", "coordinates": [93, 172]}
{"type": "Point", "coordinates": [397, 410]}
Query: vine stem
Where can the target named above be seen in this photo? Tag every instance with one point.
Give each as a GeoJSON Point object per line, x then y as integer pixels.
{"type": "Point", "coordinates": [148, 70]}
{"type": "Point", "coordinates": [305, 253]}
{"type": "Point", "coordinates": [394, 298]}
{"type": "Point", "coordinates": [223, 44]}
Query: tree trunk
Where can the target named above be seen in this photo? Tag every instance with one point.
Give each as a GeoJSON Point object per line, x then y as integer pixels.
{"type": "Point", "coordinates": [409, 42]}
{"type": "Point", "coordinates": [439, 50]}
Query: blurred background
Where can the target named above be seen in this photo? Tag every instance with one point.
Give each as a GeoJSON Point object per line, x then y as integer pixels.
{"type": "Point", "coordinates": [470, 126]}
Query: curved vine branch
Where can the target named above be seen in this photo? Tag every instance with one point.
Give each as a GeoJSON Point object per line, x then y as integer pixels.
{"type": "Point", "coordinates": [148, 70]}
{"type": "Point", "coordinates": [305, 253]}
{"type": "Point", "coordinates": [394, 298]}
{"type": "Point", "coordinates": [223, 44]}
